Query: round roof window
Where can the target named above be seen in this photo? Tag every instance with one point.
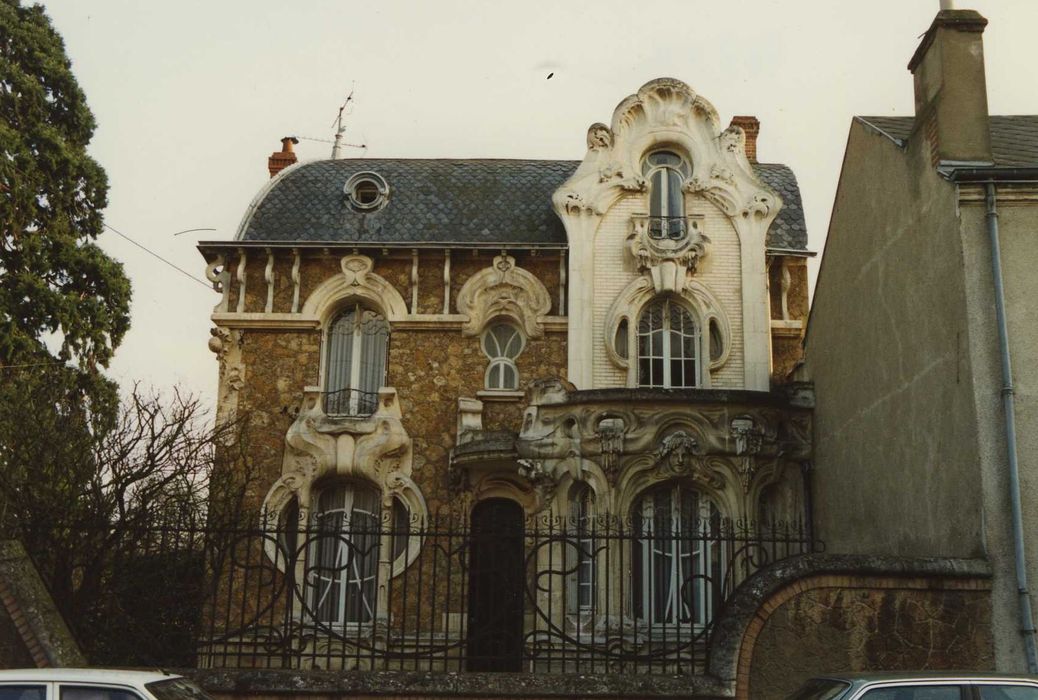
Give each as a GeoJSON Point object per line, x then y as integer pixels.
{"type": "Point", "coordinates": [366, 191]}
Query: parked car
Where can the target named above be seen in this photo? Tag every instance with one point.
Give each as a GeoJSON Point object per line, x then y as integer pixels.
{"type": "Point", "coordinates": [95, 684]}
{"type": "Point", "coordinates": [918, 686]}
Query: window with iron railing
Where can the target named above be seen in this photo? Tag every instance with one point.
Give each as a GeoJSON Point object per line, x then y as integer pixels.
{"type": "Point", "coordinates": [666, 173]}
{"type": "Point", "coordinates": [355, 361]}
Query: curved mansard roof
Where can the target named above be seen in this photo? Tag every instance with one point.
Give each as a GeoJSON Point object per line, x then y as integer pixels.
{"type": "Point", "coordinates": [483, 201]}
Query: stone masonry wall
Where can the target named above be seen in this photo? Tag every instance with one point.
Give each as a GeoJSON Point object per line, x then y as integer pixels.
{"type": "Point", "coordinates": [861, 624]}
{"type": "Point", "coordinates": [430, 369]}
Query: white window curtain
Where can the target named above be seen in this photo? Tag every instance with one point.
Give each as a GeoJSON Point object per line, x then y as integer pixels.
{"type": "Point", "coordinates": [678, 559]}
{"type": "Point", "coordinates": [355, 365]}
{"type": "Point", "coordinates": [580, 550]}
{"type": "Point", "coordinates": [343, 570]}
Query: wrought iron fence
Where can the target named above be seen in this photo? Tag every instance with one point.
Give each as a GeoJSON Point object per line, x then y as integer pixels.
{"type": "Point", "coordinates": [599, 594]}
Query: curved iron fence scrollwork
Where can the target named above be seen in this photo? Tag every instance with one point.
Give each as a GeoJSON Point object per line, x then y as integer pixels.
{"type": "Point", "coordinates": [599, 594]}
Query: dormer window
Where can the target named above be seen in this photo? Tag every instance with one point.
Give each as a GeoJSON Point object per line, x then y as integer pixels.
{"type": "Point", "coordinates": [366, 191]}
{"type": "Point", "coordinates": [666, 172]}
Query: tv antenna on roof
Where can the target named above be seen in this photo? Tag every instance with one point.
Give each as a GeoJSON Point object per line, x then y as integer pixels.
{"type": "Point", "coordinates": [340, 129]}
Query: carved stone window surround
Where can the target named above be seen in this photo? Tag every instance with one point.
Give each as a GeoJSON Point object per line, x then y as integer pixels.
{"type": "Point", "coordinates": [504, 291]}
{"type": "Point", "coordinates": [696, 297]}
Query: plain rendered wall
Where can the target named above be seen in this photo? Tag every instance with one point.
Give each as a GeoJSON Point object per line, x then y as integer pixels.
{"type": "Point", "coordinates": [896, 450]}
{"type": "Point", "coordinates": [1018, 223]}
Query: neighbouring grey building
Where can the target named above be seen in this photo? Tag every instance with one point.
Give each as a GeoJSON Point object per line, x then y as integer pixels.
{"type": "Point", "coordinates": [934, 232]}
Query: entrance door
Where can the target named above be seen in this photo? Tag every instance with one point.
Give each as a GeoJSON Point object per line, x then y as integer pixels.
{"type": "Point", "coordinates": [495, 610]}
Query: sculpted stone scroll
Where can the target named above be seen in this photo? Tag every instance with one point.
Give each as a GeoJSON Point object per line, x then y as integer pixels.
{"type": "Point", "coordinates": [504, 289]}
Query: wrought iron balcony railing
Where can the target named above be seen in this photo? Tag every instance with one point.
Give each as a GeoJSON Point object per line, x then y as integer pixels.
{"type": "Point", "coordinates": [350, 402]}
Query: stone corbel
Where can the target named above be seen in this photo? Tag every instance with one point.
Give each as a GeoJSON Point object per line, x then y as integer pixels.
{"type": "Point", "coordinates": [668, 262]}
{"type": "Point", "coordinates": [504, 290]}
{"type": "Point", "coordinates": [226, 344]}
{"type": "Point", "coordinates": [376, 449]}
{"type": "Point", "coordinates": [220, 277]}
{"type": "Point", "coordinates": [470, 419]}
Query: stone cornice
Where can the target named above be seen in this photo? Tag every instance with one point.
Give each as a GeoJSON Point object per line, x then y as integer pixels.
{"type": "Point", "coordinates": [411, 322]}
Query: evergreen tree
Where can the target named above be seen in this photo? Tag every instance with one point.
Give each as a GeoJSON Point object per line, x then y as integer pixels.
{"type": "Point", "coordinates": [55, 282]}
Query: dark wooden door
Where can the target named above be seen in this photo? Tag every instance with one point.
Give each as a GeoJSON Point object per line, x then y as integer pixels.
{"type": "Point", "coordinates": [495, 609]}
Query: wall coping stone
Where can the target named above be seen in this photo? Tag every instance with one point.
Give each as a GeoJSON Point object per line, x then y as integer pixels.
{"type": "Point", "coordinates": [726, 639]}
{"type": "Point", "coordinates": [424, 683]}
{"type": "Point", "coordinates": [40, 625]}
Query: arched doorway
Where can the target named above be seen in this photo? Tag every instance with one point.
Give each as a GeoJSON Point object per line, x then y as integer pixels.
{"type": "Point", "coordinates": [495, 606]}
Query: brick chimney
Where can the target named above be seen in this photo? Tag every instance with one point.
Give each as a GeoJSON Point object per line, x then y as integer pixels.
{"type": "Point", "coordinates": [951, 103]}
{"type": "Point", "coordinates": [279, 160]}
{"type": "Point", "coordinates": [751, 127]}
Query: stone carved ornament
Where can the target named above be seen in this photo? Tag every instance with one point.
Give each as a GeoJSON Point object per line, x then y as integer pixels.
{"type": "Point", "coordinates": [666, 113]}
{"type": "Point", "coordinates": [669, 263]}
{"type": "Point", "coordinates": [503, 289]}
{"type": "Point", "coordinates": [376, 450]}
{"type": "Point", "coordinates": [226, 344]}
{"type": "Point", "coordinates": [636, 445]}
{"type": "Point", "coordinates": [628, 305]}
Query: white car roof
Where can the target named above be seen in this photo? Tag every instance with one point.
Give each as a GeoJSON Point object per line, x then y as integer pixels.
{"type": "Point", "coordinates": [83, 675]}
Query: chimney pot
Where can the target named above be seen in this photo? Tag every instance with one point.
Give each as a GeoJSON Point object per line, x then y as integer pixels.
{"type": "Point", "coordinates": [279, 160]}
{"type": "Point", "coordinates": [751, 127]}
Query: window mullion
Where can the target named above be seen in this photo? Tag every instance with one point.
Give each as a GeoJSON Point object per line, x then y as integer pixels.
{"type": "Point", "coordinates": [356, 361]}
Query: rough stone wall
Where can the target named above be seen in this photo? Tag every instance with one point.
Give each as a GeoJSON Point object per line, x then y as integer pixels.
{"type": "Point", "coordinates": [431, 369]}
{"type": "Point", "coordinates": [278, 365]}
{"type": "Point", "coordinates": [850, 628]}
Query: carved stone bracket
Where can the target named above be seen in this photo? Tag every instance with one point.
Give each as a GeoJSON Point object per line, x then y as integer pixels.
{"type": "Point", "coordinates": [226, 344]}
{"type": "Point", "coordinates": [504, 290]}
{"type": "Point", "coordinates": [669, 262]}
{"type": "Point", "coordinates": [375, 449]}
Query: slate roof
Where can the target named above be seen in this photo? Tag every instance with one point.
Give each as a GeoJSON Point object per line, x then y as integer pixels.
{"type": "Point", "coordinates": [1014, 138]}
{"type": "Point", "coordinates": [450, 201]}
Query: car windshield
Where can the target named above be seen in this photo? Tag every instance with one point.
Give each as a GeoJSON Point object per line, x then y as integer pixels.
{"type": "Point", "coordinates": [176, 689]}
{"type": "Point", "coordinates": [820, 689]}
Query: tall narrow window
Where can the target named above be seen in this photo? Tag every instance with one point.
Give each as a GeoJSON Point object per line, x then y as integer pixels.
{"type": "Point", "coordinates": [355, 365]}
{"type": "Point", "coordinates": [666, 172]}
{"type": "Point", "coordinates": [677, 561]}
{"type": "Point", "coordinates": [502, 343]}
{"type": "Point", "coordinates": [668, 344]}
{"type": "Point", "coordinates": [343, 570]}
{"type": "Point", "coordinates": [581, 549]}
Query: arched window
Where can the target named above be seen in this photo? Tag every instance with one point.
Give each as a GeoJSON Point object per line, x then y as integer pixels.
{"type": "Point", "coordinates": [345, 539]}
{"type": "Point", "coordinates": [502, 343]}
{"type": "Point", "coordinates": [678, 565]}
{"type": "Point", "coordinates": [355, 361]}
{"type": "Point", "coordinates": [666, 172]}
{"type": "Point", "coordinates": [581, 549]}
{"type": "Point", "coordinates": [668, 346]}
{"type": "Point", "coordinates": [344, 569]}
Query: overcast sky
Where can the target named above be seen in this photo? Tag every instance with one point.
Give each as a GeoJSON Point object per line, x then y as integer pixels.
{"type": "Point", "coordinates": [192, 96]}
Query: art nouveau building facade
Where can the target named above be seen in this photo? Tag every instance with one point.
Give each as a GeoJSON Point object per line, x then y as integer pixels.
{"type": "Point", "coordinates": [605, 342]}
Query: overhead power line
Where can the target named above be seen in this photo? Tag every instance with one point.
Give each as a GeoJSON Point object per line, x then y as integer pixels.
{"type": "Point", "coordinates": [156, 255]}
